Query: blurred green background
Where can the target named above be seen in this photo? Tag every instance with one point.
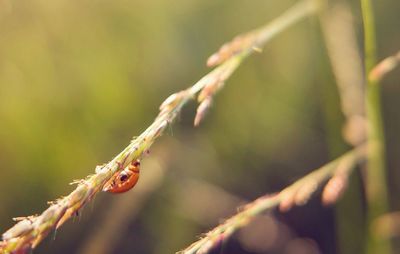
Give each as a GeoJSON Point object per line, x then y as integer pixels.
{"type": "Point", "coordinates": [78, 79]}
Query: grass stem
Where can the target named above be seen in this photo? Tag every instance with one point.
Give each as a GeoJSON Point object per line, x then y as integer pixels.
{"type": "Point", "coordinates": [376, 183]}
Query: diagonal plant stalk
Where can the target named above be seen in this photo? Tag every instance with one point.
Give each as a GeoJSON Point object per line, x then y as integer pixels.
{"type": "Point", "coordinates": [25, 235]}
{"type": "Point", "coordinates": [384, 67]}
{"type": "Point", "coordinates": [376, 184]}
{"type": "Point", "coordinates": [296, 194]}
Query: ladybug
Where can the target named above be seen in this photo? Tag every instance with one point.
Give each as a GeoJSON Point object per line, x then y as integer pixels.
{"type": "Point", "coordinates": [124, 180]}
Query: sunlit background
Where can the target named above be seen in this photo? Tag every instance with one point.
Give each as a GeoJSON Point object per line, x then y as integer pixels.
{"type": "Point", "coordinates": [79, 79]}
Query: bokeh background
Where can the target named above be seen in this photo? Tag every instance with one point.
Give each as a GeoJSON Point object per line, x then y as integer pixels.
{"type": "Point", "coordinates": [78, 79]}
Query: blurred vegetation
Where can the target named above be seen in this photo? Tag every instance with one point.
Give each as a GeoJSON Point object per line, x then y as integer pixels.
{"type": "Point", "coordinates": [79, 78]}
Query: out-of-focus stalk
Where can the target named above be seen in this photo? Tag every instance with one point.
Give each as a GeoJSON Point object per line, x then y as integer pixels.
{"type": "Point", "coordinates": [376, 184]}
{"type": "Point", "coordinates": [296, 194]}
{"type": "Point", "coordinates": [338, 28]}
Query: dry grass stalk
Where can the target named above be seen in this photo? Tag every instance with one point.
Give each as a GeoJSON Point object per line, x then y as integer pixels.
{"type": "Point", "coordinates": [241, 46]}
{"type": "Point", "coordinates": [384, 67]}
{"type": "Point", "coordinates": [341, 43]}
{"type": "Point", "coordinates": [336, 186]}
{"type": "Point", "coordinates": [30, 231]}
{"type": "Point", "coordinates": [296, 194]}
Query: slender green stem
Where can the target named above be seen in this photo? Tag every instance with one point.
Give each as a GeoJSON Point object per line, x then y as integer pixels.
{"type": "Point", "coordinates": [376, 178]}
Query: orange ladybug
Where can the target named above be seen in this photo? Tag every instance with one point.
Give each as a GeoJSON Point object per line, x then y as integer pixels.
{"type": "Point", "coordinates": [124, 180]}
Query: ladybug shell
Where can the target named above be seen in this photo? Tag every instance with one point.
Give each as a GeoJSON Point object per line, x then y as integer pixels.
{"type": "Point", "coordinates": [124, 180]}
